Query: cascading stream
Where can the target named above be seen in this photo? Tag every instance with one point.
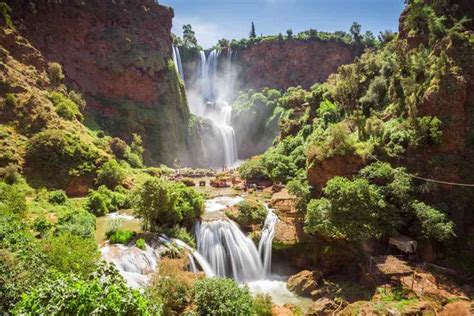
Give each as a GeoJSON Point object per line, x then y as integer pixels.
{"type": "Point", "coordinates": [232, 254]}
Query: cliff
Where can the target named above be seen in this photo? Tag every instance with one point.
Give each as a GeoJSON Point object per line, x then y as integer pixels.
{"type": "Point", "coordinates": [117, 55]}
{"type": "Point", "coordinates": [282, 64]}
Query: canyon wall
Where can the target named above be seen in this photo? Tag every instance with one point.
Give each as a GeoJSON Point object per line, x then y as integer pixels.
{"type": "Point", "coordinates": [282, 64]}
{"type": "Point", "coordinates": [118, 55]}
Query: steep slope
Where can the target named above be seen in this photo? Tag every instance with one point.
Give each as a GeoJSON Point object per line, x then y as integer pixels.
{"type": "Point", "coordinates": [117, 55]}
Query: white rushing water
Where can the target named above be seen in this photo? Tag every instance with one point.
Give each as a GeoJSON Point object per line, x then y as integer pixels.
{"type": "Point", "coordinates": [232, 254]}
{"type": "Point", "coordinates": [209, 97]}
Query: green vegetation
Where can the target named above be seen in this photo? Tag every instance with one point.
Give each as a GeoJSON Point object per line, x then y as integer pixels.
{"type": "Point", "coordinates": [103, 201]}
{"type": "Point", "coordinates": [262, 305]}
{"type": "Point", "coordinates": [140, 243]}
{"type": "Point", "coordinates": [65, 107]}
{"type": "Point", "coordinates": [251, 213]}
{"type": "Point", "coordinates": [163, 204]}
{"type": "Point", "coordinates": [120, 236]}
{"type": "Point", "coordinates": [55, 72]}
{"type": "Point", "coordinates": [220, 296]}
{"type": "Point", "coordinates": [110, 174]}
{"type": "Point", "coordinates": [104, 291]}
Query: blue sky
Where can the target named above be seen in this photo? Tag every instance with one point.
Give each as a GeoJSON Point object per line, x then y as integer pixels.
{"type": "Point", "coordinates": [215, 19]}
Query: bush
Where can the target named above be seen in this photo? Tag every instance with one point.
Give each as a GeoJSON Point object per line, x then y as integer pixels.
{"type": "Point", "coordinates": [429, 130]}
{"type": "Point", "coordinates": [69, 253]}
{"type": "Point", "coordinates": [351, 210]}
{"type": "Point", "coordinates": [251, 212]}
{"type": "Point", "coordinates": [262, 305]}
{"type": "Point", "coordinates": [12, 200]}
{"type": "Point", "coordinates": [120, 236]}
{"type": "Point", "coordinates": [221, 296]}
{"type": "Point", "coordinates": [57, 197]}
{"type": "Point", "coordinates": [103, 291]}
{"type": "Point", "coordinates": [103, 201]}
{"type": "Point", "coordinates": [76, 221]}
{"type": "Point", "coordinates": [11, 174]}
{"type": "Point", "coordinates": [60, 155]}
{"type": "Point", "coordinates": [253, 170]}
{"type": "Point", "coordinates": [328, 112]}
{"type": "Point", "coordinates": [42, 225]}
{"type": "Point", "coordinates": [163, 204]}
{"type": "Point", "coordinates": [434, 223]}
{"type": "Point", "coordinates": [118, 147]}
{"type": "Point", "coordinates": [110, 174]}
{"type": "Point", "coordinates": [55, 72]}
{"type": "Point", "coordinates": [140, 243]}
{"type": "Point", "coordinates": [64, 106]}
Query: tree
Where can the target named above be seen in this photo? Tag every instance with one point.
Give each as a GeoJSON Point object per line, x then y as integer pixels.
{"type": "Point", "coordinates": [289, 34]}
{"type": "Point", "coordinates": [252, 33]}
{"type": "Point", "coordinates": [189, 37]}
{"type": "Point", "coordinates": [223, 43]}
{"type": "Point", "coordinates": [280, 37]}
{"type": "Point", "coordinates": [111, 174]}
{"type": "Point", "coordinates": [355, 32]}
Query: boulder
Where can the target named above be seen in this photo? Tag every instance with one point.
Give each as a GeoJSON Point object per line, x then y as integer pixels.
{"type": "Point", "coordinates": [305, 283]}
{"type": "Point", "coordinates": [282, 311]}
{"type": "Point", "coordinates": [460, 308]}
{"type": "Point", "coordinates": [323, 306]}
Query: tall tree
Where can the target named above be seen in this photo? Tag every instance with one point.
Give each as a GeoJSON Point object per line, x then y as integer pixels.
{"type": "Point", "coordinates": [252, 33]}
{"type": "Point", "coordinates": [289, 34]}
{"type": "Point", "coordinates": [189, 37]}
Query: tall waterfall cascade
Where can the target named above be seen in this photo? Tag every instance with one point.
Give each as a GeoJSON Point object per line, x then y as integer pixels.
{"type": "Point", "coordinates": [209, 97]}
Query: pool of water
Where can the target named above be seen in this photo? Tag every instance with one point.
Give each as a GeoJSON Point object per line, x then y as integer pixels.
{"type": "Point", "coordinates": [125, 220]}
{"type": "Point", "coordinates": [275, 286]}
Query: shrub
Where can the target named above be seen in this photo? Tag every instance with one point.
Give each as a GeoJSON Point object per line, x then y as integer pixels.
{"type": "Point", "coordinates": [140, 243]}
{"type": "Point", "coordinates": [251, 212]}
{"type": "Point", "coordinates": [434, 223]}
{"type": "Point", "coordinates": [262, 305]}
{"type": "Point", "coordinates": [55, 72]}
{"type": "Point", "coordinates": [103, 291]}
{"type": "Point", "coordinates": [64, 106]}
{"type": "Point", "coordinates": [42, 225]}
{"type": "Point", "coordinates": [59, 155]}
{"type": "Point", "coordinates": [11, 173]}
{"type": "Point", "coordinates": [221, 296]}
{"type": "Point", "coordinates": [182, 234]}
{"type": "Point", "coordinates": [12, 200]}
{"type": "Point", "coordinates": [103, 201]}
{"type": "Point", "coordinates": [188, 182]}
{"type": "Point", "coordinates": [118, 147]}
{"type": "Point", "coordinates": [429, 130]}
{"type": "Point", "coordinates": [120, 236]}
{"type": "Point", "coordinates": [253, 170]}
{"type": "Point", "coordinates": [78, 99]}
{"type": "Point", "coordinates": [163, 204]}
{"type": "Point", "coordinates": [352, 210]}
{"type": "Point", "coordinates": [110, 174]}
{"type": "Point", "coordinates": [133, 159]}
{"type": "Point", "coordinates": [69, 253]}
{"type": "Point", "coordinates": [57, 197]}
{"type": "Point", "coordinates": [5, 12]}
{"type": "Point", "coordinates": [280, 167]}
{"type": "Point", "coordinates": [76, 221]}
{"type": "Point", "coordinates": [11, 100]}
{"type": "Point", "coordinates": [328, 112]}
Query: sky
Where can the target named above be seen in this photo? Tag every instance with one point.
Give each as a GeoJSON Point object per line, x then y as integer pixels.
{"type": "Point", "coordinates": [216, 19]}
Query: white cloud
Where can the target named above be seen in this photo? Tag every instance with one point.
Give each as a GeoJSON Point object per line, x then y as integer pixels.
{"type": "Point", "coordinates": [207, 33]}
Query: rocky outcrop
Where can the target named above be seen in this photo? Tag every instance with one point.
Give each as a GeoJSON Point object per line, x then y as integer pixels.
{"type": "Point", "coordinates": [304, 283]}
{"type": "Point", "coordinates": [320, 172]}
{"type": "Point", "coordinates": [282, 64]}
{"type": "Point", "coordinates": [118, 55]}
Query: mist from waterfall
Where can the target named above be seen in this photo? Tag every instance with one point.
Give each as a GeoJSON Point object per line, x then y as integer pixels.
{"type": "Point", "coordinates": [209, 91]}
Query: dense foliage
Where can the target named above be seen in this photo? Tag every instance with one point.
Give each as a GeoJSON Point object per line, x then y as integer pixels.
{"type": "Point", "coordinates": [163, 204]}
{"type": "Point", "coordinates": [221, 296]}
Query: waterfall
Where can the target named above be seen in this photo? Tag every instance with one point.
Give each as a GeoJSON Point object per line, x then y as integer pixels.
{"type": "Point", "coordinates": [177, 62]}
{"type": "Point", "coordinates": [266, 239]}
{"type": "Point", "coordinates": [232, 254]}
{"type": "Point", "coordinates": [208, 95]}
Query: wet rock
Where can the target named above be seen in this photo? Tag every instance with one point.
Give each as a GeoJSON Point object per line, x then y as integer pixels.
{"type": "Point", "coordinates": [305, 283]}
{"type": "Point", "coordinates": [282, 311]}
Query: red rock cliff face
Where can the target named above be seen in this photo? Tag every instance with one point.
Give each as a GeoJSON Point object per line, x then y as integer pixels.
{"type": "Point", "coordinates": [117, 54]}
{"type": "Point", "coordinates": [291, 63]}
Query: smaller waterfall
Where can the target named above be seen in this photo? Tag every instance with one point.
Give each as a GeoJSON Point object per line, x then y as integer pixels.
{"type": "Point", "coordinates": [193, 254]}
{"type": "Point", "coordinates": [266, 239]}
{"type": "Point", "coordinates": [229, 252]}
{"type": "Point", "coordinates": [177, 62]}
{"type": "Point", "coordinates": [135, 265]}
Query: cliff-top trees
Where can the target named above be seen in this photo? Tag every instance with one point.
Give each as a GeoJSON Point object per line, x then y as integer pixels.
{"type": "Point", "coordinates": [252, 33]}
{"type": "Point", "coordinates": [189, 37]}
